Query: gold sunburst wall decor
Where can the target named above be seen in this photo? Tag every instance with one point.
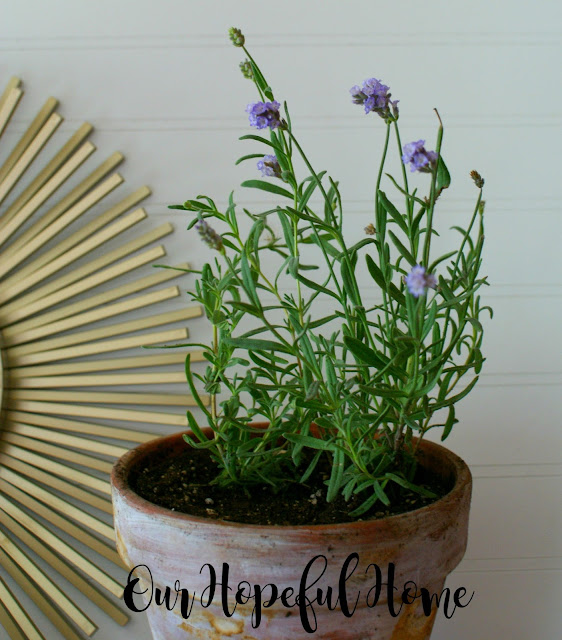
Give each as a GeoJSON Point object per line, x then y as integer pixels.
{"type": "Point", "coordinates": [75, 384]}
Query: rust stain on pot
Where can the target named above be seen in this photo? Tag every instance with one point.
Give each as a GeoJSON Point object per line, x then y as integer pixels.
{"type": "Point", "coordinates": [221, 629]}
{"type": "Point", "coordinates": [413, 627]}
{"type": "Point", "coordinates": [226, 628]}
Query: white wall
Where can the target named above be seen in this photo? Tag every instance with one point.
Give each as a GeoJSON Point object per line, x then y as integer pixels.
{"type": "Point", "coordinates": [160, 82]}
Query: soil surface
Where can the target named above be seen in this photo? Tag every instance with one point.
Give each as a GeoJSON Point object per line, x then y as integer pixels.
{"type": "Point", "coordinates": [183, 483]}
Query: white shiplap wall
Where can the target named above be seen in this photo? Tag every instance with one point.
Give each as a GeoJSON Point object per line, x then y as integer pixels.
{"type": "Point", "coordinates": [160, 82]}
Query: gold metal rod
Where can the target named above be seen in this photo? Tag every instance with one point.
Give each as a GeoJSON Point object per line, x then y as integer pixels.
{"type": "Point", "coordinates": [65, 570]}
{"type": "Point", "coordinates": [91, 301]}
{"type": "Point", "coordinates": [46, 173]}
{"type": "Point", "coordinates": [59, 224]}
{"type": "Point", "coordinates": [33, 129]}
{"type": "Point", "coordinates": [120, 344]}
{"type": "Point", "coordinates": [100, 313]}
{"type": "Point", "coordinates": [15, 286]}
{"type": "Point", "coordinates": [51, 382]}
{"type": "Point", "coordinates": [104, 312]}
{"type": "Point", "coordinates": [19, 565]}
{"type": "Point", "coordinates": [17, 486]}
{"type": "Point", "coordinates": [58, 452]}
{"type": "Point", "coordinates": [84, 232]}
{"type": "Point", "coordinates": [86, 411]}
{"type": "Point", "coordinates": [8, 106]}
{"type": "Point", "coordinates": [80, 561]}
{"type": "Point", "coordinates": [16, 221]}
{"type": "Point", "coordinates": [18, 309]}
{"type": "Point", "coordinates": [14, 632]}
{"type": "Point", "coordinates": [48, 435]}
{"type": "Point", "coordinates": [57, 468]}
{"type": "Point", "coordinates": [115, 364]}
{"type": "Point", "coordinates": [13, 83]}
{"type": "Point", "coordinates": [84, 428]}
{"type": "Point", "coordinates": [63, 523]}
{"type": "Point", "coordinates": [18, 615]}
{"type": "Point", "coordinates": [101, 503]}
{"type": "Point", "coordinates": [27, 157]}
{"type": "Point", "coordinates": [104, 397]}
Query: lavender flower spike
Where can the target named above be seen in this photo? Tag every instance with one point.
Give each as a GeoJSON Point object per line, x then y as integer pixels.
{"type": "Point", "coordinates": [419, 159]}
{"type": "Point", "coordinates": [418, 281]}
{"type": "Point", "coordinates": [375, 97]}
{"type": "Point", "coordinates": [264, 114]}
{"type": "Point", "coordinates": [209, 236]}
{"type": "Point", "coordinates": [269, 167]}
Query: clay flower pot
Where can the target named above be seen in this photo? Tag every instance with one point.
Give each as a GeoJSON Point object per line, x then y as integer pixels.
{"type": "Point", "coordinates": [369, 566]}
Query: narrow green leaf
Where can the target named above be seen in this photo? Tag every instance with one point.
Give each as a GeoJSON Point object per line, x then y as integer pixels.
{"type": "Point", "coordinates": [309, 191]}
{"type": "Point", "coordinates": [441, 259]}
{"type": "Point", "coordinates": [311, 467]}
{"type": "Point", "coordinates": [428, 324]}
{"type": "Point", "coordinates": [475, 323]}
{"type": "Point", "coordinates": [256, 344]}
{"type": "Point", "coordinates": [375, 272]}
{"type": "Point", "coordinates": [248, 157]}
{"type": "Point", "coordinates": [365, 353]}
{"type": "Point", "coordinates": [252, 136]}
{"type": "Point", "coordinates": [449, 423]}
{"type": "Point", "coordinates": [383, 392]}
{"type": "Point", "coordinates": [309, 441]}
{"type": "Point", "coordinates": [396, 293]}
{"type": "Point", "coordinates": [331, 378]}
{"type": "Point", "coordinates": [450, 401]}
{"type": "Point", "coordinates": [287, 228]}
{"type": "Point", "coordinates": [267, 365]}
{"type": "Point", "coordinates": [409, 485]}
{"type": "Point", "coordinates": [248, 279]}
{"type": "Point", "coordinates": [193, 389]}
{"type": "Point", "coordinates": [313, 405]}
{"type": "Point", "coordinates": [197, 431]}
{"type": "Point", "coordinates": [246, 308]}
{"type": "Point", "coordinates": [336, 477]}
{"type": "Point", "coordinates": [267, 186]}
{"type": "Point", "coordinates": [393, 212]}
{"type": "Point", "coordinates": [402, 249]}
{"type": "Point", "coordinates": [348, 283]}
{"type": "Point", "coordinates": [378, 494]}
{"type": "Point", "coordinates": [316, 287]}
{"type": "Point", "coordinates": [443, 176]}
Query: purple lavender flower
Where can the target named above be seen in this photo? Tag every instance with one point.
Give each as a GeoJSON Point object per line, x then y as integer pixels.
{"type": "Point", "coordinates": [269, 167]}
{"type": "Point", "coordinates": [264, 114]}
{"type": "Point", "coordinates": [375, 97]}
{"type": "Point", "coordinates": [209, 236]}
{"type": "Point", "coordinates": [418, 281]}
{"type": "Point", "coordinates": [418, 157]}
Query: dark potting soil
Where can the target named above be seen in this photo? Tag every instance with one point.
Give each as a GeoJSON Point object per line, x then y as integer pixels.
{"type": "Point", "coordinates": [182, 483]}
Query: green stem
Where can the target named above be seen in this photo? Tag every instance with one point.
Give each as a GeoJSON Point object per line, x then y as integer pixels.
{"type": "Point", "coordinates": [433, 196]}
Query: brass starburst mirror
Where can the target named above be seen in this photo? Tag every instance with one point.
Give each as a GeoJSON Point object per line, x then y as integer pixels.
{"type": "Point", "coordinates": [77, 304]}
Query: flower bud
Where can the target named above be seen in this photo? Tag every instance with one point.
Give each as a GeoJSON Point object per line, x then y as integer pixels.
{"type": "Point", "coordinates": [209, 236]}
{"type": "Point", "coordinates": [246, 69]}
{"type": "Point", "coordinates": [236, 37]}
{"type": "Point", "coordinates": [478, 179]}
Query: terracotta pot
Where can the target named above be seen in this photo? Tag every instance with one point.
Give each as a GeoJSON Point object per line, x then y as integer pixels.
{"type": "Point", "coordinates": [423, 546]}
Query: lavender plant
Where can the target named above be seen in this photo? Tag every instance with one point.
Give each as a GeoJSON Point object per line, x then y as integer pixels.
{"type": "Point", "coordinates": [364, 383]}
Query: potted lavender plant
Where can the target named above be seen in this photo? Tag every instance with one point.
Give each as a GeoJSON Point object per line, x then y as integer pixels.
{"type": "Point", "coordinates": [312, 459]}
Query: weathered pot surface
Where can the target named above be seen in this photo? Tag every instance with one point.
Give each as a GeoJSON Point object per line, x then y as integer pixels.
{"type": "Point", "coordinates": [423, 545]}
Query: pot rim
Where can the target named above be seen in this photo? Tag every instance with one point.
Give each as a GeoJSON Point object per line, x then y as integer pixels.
{"type": "Point", "coordinates": [123, 466]}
